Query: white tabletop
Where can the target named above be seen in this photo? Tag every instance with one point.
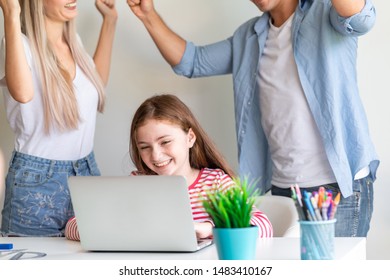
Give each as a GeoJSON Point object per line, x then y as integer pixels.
{"type": "Point", "coordinates": [267, 249]}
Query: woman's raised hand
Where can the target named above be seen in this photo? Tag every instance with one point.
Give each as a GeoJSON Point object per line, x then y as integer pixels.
{"type": "Point", "coordinates": [9, 7]}
{"type": "Point", "coordinates": [107, 8]}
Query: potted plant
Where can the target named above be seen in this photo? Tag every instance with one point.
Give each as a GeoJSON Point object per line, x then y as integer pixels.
{"type": "Point", "coordinates": [231, 212]}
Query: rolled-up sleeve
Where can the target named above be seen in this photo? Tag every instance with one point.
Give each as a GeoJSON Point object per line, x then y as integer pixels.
{"type": "Point", "coordinates": [186, 65]}
{"type": "Point", "coordinates": [203, 61]}
{"type": "Point", "coordinates": [356, 25]}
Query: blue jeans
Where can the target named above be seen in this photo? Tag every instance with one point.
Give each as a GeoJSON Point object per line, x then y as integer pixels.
{"type": "Point", "coordinates": [37, 200]}
{"type": "Point", "coordinates": [353, 213]}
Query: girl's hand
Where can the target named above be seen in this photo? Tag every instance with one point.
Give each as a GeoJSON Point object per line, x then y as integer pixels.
{"type": "Point", "coordinates": [10, 6]}
{"type": "Point", "coordinates": [204, 230]}
{"type": "Point", "coordinates": [141, 8]}
{"type": "Point", "coordinates": [106, 8]}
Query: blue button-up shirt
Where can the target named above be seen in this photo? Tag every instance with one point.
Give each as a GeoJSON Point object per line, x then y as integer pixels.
{"type": "Point", "coordinates": [325, 51]}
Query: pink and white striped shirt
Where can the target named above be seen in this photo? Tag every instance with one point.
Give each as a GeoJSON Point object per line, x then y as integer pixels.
{"type": "Point", "coordinates": [207, 179]}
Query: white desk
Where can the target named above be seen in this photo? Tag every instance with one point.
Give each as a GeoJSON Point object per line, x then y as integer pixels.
{"type": "Point", "coordinates": [267, 249]}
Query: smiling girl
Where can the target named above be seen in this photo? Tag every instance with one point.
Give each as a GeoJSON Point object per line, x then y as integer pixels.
{"type": "Point", "coordinates": [166, 139]}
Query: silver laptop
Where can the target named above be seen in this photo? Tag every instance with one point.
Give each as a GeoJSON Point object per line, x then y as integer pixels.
{"type": "Point", "coordinates": [134, 213]}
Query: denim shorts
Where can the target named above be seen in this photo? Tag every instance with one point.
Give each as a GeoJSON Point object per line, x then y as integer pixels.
{"type": "Point", "coordinates": [37, 199]}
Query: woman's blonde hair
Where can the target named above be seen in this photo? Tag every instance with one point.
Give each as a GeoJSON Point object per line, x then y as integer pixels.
{"type": "Point", "coordinates": [59, 98]}
{"type": "Point", "coordinates": [168, 107]}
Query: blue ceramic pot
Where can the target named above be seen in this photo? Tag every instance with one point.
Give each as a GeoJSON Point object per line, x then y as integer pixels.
{"type": "Point", "coordinates": [236, 243]}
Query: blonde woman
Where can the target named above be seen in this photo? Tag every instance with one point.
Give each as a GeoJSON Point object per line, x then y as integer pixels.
{"type": "Point", "coordinates": [53, 90]}
{"type": "Point", "coordinates": [2, 170]}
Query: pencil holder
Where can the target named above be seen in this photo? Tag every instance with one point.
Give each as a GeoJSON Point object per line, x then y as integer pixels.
{"type": "Point", "coordinates": [317, 239]}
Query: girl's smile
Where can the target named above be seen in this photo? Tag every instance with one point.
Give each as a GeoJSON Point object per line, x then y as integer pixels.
{"type": "Point", "coordinates": [164, 147]}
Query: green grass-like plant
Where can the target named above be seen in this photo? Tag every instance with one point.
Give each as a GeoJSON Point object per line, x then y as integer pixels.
{"type": "Point", "coordinates": [231, 208]}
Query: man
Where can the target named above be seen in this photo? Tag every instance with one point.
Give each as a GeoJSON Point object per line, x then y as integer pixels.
{"type": "Point", "coordinates": [299, 118]}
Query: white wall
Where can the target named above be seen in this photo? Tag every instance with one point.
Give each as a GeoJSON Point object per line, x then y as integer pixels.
{"type": "Point", "coordinates": [374, 73]}
{"type": "Point", "coordinates": [139, 71]}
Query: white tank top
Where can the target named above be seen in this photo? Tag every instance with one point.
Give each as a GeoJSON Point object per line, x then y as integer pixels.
{"type": "Point", "coordinates": [27, 120]}
{"type": "Point", "coordinates": [297, 151]}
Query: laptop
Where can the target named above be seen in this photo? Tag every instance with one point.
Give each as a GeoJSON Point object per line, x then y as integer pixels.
{"type": "Point", "coordinates": [134, 213]}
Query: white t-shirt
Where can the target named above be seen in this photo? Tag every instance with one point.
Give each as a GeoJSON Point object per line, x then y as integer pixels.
{"type": "Point", "coordinates": [297, 151]}
{"type": "Point", "coordinates": [27, 120]}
